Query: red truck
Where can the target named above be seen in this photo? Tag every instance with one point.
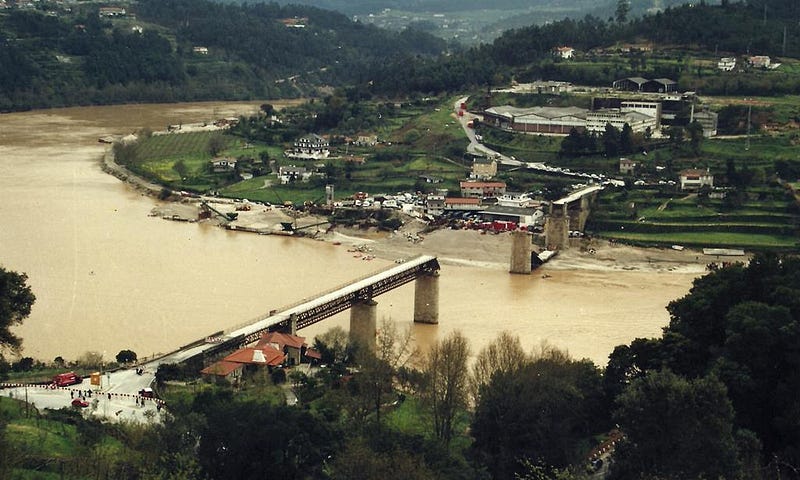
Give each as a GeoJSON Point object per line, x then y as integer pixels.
{"type": "Point", "coordinates": [66, 379]}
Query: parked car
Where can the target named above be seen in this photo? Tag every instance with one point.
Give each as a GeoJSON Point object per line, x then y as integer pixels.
{"type": "Point", "coordinates": [147, 392]}
{"type": "Point", "coordinates": [80, 403]}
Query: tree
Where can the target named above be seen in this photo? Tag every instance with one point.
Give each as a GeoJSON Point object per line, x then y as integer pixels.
{"type": "Point", "coordinates": [126, 356]}
{"type": "Point", "coordinates": [445, 382]}
{"type": "Point", "coordinates": [695, 131]}
{"type": "Point", "coordinates": [333, 345]}
{"type": "Point", "coordinates": [16, 300]}
{"type": "Point", "coordinates": [623, 9]}
{"type": "Point", "coordinates": [610, 140]}
{"type": "Point", "coordinates": [216, 144]}
{"type": "Point", "coordinates": [627, 141]}
{"type": "Point", "coordinates": [374, 383]}
{"type": "Point", "coordinates": [504, 354]}
{"type": "Point", "coordinates": [541, 412]}
{"type": "Point", "coordinates": [675, 429]}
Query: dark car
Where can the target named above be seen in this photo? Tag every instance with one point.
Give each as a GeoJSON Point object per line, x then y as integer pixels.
{"type": "Point", "coordinates": [80, 403]}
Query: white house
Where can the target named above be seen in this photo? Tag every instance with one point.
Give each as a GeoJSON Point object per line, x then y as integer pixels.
{"type": "Point", "coordinates": [692, 179]}
{"type": "Point", "coordinates": [310, 146]}
{"type": "Point", "coordinates": [290, 173]}
{"type": "Point", "coordinates": [726, 64]}
{"type": "Point", "coordinates": [564, 52]}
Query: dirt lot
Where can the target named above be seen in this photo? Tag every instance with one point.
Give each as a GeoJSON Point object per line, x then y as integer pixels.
{"type": "Point", "coordinates": [470, 247]}
{"type": "Point", "coordinates": [454, 247]}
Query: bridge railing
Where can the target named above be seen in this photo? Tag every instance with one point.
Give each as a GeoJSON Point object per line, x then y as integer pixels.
{"type": "Point", "coordinates": [306, 299]}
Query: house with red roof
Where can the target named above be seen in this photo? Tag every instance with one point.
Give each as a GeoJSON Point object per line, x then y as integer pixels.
{"type": "Point", "coordinates": [291, 345]}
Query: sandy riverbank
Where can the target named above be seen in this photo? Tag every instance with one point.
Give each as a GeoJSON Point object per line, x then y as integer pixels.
{"type": "Point", "coordinates": [455, 247]}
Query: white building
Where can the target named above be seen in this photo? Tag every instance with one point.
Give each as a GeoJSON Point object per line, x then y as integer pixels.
{"type": "Point", "coordinates": [639, 122]}
{"type": "Point", "coordinates": [692, 179]}
{"type": "Point", "coordinates": [310, 146]}
{"type": "Point", "coordinates": [726, 64]}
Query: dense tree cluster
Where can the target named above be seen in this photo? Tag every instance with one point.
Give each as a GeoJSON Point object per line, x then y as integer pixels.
{"type": "Point", "coordinates": [739, 326]}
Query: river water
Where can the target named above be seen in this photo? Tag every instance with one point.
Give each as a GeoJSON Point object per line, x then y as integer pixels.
{"type": "Point", "coordinates": [108, 277]}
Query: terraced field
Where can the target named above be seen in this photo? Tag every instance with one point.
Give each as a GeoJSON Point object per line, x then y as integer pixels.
{"type": "Point", "coordinates": [765, 219]}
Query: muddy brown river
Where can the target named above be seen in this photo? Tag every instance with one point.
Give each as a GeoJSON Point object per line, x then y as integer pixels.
{"type": "Point", "coordinates": [108, 277]}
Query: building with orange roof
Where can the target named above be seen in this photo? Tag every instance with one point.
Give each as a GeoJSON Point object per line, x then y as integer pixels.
{"type": "Point", "coordinates": [290, 345]}
{"type": "Point", "coordinates": [231, 371]}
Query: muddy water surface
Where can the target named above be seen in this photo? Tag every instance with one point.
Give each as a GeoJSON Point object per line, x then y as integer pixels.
{"type": "Point", "coordinates": [108, 277]}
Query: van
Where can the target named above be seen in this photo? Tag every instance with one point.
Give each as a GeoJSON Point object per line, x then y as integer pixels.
{"type": "Point", "coordinates": [67, 379]}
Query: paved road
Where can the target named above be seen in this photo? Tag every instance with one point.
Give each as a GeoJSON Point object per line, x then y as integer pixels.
{"type": "Point", "coordinates": [116, 399]}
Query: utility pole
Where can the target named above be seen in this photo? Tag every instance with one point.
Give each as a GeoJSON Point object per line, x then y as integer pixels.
{"type": "Point", "coordinates": [747, 140]}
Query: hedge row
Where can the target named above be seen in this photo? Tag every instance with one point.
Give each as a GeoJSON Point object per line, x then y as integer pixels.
{"type": "Point", "coordinates": [647, 227]}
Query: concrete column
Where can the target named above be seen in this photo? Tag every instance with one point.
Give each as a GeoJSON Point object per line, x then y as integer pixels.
{"type": "Point", "coordinates": [426, 298]}
{"type": "Point", "coordinates": [556, 231]}
{"type": "Point", "coordinates": [364, 323]}
{"type": "Point", "coordinates": [520, 252]}
{"type": "Point", "coordinates": [293, 323]}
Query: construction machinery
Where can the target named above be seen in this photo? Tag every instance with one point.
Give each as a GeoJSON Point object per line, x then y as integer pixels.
{"type": "Point", "coordinates": [206, 211]}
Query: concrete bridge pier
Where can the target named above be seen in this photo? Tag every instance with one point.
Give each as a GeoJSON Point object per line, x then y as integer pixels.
{"type": "Point", "coordinates": [426, 298]}
{"type": "Point", "coordinates": [520, 252]}
{"type": "Point", "coordinates": [364, 323]}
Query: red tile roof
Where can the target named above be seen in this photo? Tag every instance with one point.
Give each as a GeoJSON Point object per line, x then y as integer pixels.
{"type": "Point", "coordinates": [221, 368]}
{"type": "Point", "coordinates": [483, 185]}
{"type": "Point", "coordinates": [282, 340]}
{"type": "Point", "coordinates": [462, 201]}
{"type": "Point", "coordinates": [265, 355]}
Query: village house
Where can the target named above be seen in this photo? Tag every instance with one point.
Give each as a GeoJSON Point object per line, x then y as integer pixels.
{"type": "Point", "coordinates": [310, 146]}
{"type": "Point", "coordinates": [627, 166]}
{"type": "Point", "coordinates": [708, 120]}
{"type": "Point", "coordinates": [462, 204]}
{"type": "Point", "coordinates": [366, 140]}
{"type": "Point", "coordinates": [483, 168]}
{"type": "Point", "coordinates": [230, 371]}
{"type": "Point", "coordinates": [222, 165]}
{"type": "Point", "coordinates": [112, 12]}
{"type": "Point", "coordinates": [564, 52]}
{"type": "Point", "coordinates": [434, 205]}
{"type": "Point", "coordinates": [293, 173]}
{"type": "Point", "coordinates": [200, 50]}
{"type": "Point", "coordinates": [726, 64]}
{"type": "Point", "coordinates": [295, 22]}
{"type": "Point", "coordinates": [471, 189]}
{"type": "Point", "coordinates": [291, 345]}
{"type": "Point", "coordinates": [693, 179]}
{"type": "Point", "coordinates": [232, 367]}
{"type": "Point", "coordinates": [758, 61]}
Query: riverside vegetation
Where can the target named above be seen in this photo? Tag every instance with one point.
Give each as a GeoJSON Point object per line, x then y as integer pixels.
{"type": "Point", "coordinates": [710, 398]}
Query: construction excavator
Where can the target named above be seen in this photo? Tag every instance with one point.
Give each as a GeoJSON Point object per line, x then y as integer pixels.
{"type": "Point", "coordinates": [207, 210]}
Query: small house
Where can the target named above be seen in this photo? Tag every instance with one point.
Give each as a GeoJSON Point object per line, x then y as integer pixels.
{"type": "Point", "coordinates": [727, 64]}
{"type": "Point", "coordinates": [222, 165]}
{"type": "Point", "coordinates": [483, 168]}
{"type": "Point", "coordinates": [627, 166]}
{"type": "Point", "coordinates": [482, 189]}
{"type": "Point", "coordinates": [564, 52]}
{"type": "Point", "coordinates": [290, 345]}
{"type": "Point", "coordinates": [292, 173]}
{"type": "Point", "coordinates": [693, 179]}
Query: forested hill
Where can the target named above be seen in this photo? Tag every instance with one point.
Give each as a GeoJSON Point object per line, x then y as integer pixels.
{"type": "Point", "coordinates": [177, 50]}
{"type": "Point", "coordinates": [526, 53]}
{"type": "Point", "coordinates": [62, 56]}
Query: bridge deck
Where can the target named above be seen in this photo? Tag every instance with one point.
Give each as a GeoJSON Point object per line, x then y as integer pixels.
{"type": "Point", "coordinates": [578, 194]}
{"type": "Point", "coordinates": [310, 311]}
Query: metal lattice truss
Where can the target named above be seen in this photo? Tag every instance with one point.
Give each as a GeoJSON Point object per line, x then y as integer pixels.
{"type": "Point", "coordinates": [338, 300]}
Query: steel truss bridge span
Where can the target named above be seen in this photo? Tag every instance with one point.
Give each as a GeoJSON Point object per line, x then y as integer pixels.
{"type": "Point", "coordinates": [312, 310]}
